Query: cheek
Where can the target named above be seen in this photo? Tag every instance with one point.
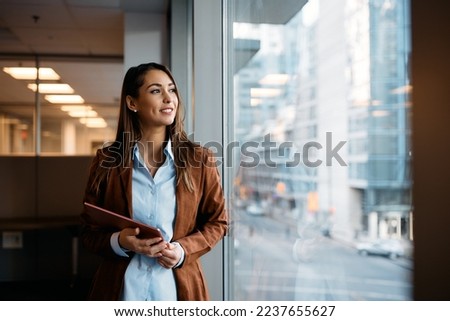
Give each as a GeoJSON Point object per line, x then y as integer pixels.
{"type": "Point", "coordinates": [175, 103]}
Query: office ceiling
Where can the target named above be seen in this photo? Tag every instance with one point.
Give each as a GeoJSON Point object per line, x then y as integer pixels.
{"type": "Point", "coordinates": [69, 27]}
{"type": "Point", "coordinates": [80, 29]}
{"type": "Point", "coordinates": [89, 33]}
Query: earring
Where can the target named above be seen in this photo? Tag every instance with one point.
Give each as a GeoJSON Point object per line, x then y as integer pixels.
{"type": "Point", "coordinates": [135, 110]}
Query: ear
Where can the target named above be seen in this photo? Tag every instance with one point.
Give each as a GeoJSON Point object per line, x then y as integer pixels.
{"type": "Point", "coordinates": [131, 103]}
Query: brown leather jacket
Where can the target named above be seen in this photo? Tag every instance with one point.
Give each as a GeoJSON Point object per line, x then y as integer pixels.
{"type": "Point", "coordinates": [200, 222]}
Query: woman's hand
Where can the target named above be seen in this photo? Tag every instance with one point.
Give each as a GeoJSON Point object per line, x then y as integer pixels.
{"type": "Point", "coordinates": [171, 255]}
{"type": "Point", "coordinates": [150, 247]}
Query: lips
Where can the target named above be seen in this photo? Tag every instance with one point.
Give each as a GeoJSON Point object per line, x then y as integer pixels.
{"type": "Point", "coordinates": [167, 110]}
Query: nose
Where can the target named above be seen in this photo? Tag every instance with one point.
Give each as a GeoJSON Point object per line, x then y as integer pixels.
{"type": "Point", "coordinates": [167, 96]}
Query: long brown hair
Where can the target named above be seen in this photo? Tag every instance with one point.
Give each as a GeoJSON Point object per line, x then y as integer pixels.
{"type": "Point", "coordinates": [129, 132]}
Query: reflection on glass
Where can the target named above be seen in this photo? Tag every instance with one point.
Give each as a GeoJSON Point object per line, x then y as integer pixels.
{"type": "Point", "coordinates": [321, 194]}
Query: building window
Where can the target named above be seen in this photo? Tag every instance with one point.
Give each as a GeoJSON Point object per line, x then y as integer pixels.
{"type": "Point", "coordinates": [329, 80]}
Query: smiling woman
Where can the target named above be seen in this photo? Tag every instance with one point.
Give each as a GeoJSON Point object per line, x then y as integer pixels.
{"type": "Point", "coordinates": [156, 105]}
{"type": "Point", "coordinates": [154, 174]}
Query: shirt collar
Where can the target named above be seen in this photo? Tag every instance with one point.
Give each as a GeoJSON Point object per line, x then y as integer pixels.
{"type": "Point", "coordinates": [167, 150]}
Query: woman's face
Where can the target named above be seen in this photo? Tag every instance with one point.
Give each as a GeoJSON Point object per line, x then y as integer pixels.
{"type": "Point", "coordinates": [157, 102]}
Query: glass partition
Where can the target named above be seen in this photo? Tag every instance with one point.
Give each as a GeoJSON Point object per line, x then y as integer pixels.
{"type": "Point", "coordinates": [72, 106]}
{"type": "Point", "coordinates": [321, 206]}
{"type": "Point", "coordinates": [17, 106]}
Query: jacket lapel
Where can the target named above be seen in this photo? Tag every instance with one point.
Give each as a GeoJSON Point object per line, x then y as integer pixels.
{"type": "Point", "coordinates": [126, 184]}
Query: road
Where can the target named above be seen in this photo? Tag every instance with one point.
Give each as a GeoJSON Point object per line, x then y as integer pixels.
{"type": "Point", "coordinates": [273, 264]}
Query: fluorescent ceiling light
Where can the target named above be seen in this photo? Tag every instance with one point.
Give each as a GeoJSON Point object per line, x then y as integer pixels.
{"type": "Point", "coordinates": [265, 92]}
{"type": "Point", "coordinates": [82, 113]}
{"type": "Point", "coordinates": [79, 110]}
{"type": "Point", "coordinates": [52, 88]}
{"type": "Point", "coordinates": [68, 108]}
{"type": "Point", "coordinates": [30, 73]}
{"type": "Point", "coordinates": [274, 79]}
{"type": "Point", "coordinates": [93, 122]}
{"type": "Point", "coordinates": [64, 99]}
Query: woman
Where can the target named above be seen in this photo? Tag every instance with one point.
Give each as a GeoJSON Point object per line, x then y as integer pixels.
{"type": "Point", "coordinates": [155, 175]}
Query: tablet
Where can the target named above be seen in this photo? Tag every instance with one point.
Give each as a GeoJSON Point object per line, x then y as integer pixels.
{"type": "Point", "coordinates": [102, 217]}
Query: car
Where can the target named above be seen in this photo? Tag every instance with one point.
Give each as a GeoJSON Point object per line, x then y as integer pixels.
{"type": "Point", "coordinates": [384, 247]}
{"type": "Point", "coordinates": [255, 209]}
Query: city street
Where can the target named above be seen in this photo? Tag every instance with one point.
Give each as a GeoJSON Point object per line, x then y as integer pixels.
{"type": "Point", "coordinates": [272, 263]}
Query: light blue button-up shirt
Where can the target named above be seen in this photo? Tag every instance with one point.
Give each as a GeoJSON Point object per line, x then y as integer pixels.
{"type": "Point", "coordinates": [154, 203]}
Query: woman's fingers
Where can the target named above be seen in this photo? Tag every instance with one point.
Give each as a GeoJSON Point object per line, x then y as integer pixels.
{"type": "Point", "coordinates": [126, 237]}
{"type": "Point", "coordinates": [152, 241]}
{"type": "Point", "coordinates": [170, 256]}
{"type": "Point", "coordinates": [151, 247]}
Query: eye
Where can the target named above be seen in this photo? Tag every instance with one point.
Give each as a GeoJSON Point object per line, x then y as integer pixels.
{"type": "Point", "coordinates": [173, 90]}
{"type": "Point", "coordinates": [155, 91]}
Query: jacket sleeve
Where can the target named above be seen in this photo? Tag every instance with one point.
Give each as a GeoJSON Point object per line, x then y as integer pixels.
{"type": "Point", "coordinates": [211, 219]}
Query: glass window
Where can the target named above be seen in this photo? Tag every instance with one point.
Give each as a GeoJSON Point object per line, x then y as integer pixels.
{"type": "Point", "coordinates": [64, 127]}
{"type": "Point", "coordinates": [16, 112]}
{"type": "Point", "coordinates": [321, 205]}
{"type": "Point", "coordinates": [383, 145]}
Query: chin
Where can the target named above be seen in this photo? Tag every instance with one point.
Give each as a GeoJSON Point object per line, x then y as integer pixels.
{"type": "Point", "coordinates": [169, 122]}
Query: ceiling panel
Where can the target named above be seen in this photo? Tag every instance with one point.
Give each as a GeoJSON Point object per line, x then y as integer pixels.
{"type": "Point", "coordinates": [23, 15]}
{"type": "Point", "coordinates": [103, 42]}
{"type": "Point", "coordinates": [98, 18]}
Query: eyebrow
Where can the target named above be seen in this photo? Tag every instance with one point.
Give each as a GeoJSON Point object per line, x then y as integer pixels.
{"type": "Point", "coordinates": [159, 85]}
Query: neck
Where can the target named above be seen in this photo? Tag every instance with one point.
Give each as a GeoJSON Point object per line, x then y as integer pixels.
{"type": "Point", "coordinates": [154, 136]}
{"type": "Point", "coordinates": [151, 147]}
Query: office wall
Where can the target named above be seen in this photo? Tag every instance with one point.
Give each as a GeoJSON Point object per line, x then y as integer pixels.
{"type": "Point", "coordinates": [37, 196]}
{"type": "Point", "coordinates": [208, 112]}
{"type": "Point", "coordinates": [196, 50]}
{"type": "Point", "coordinates": [42, 186]}
{"type": "Point", "coordinates": [17, 187]}
{"type": "Point", "coordinates": [145, 39]}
